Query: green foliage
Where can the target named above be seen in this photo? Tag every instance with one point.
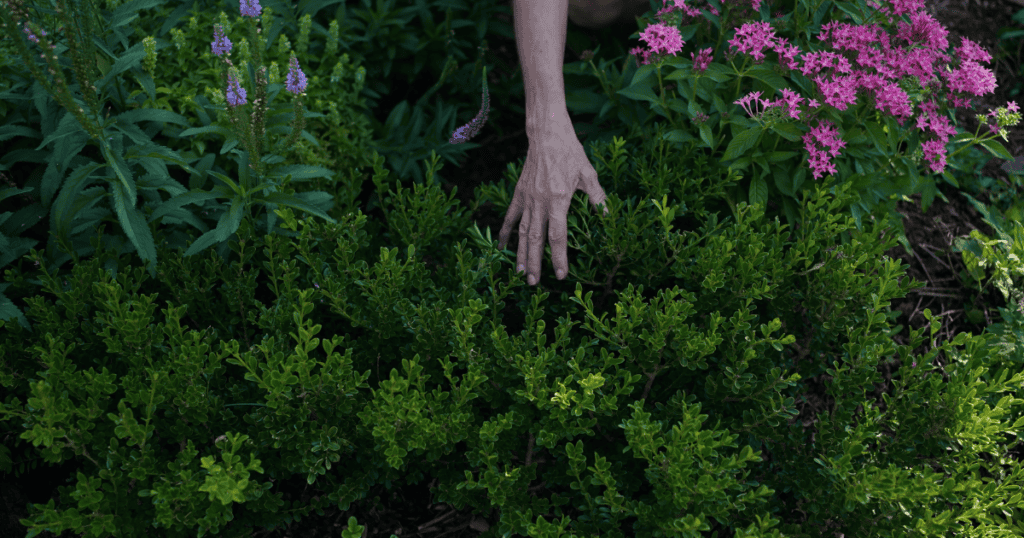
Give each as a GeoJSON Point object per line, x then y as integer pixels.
{"type": "Point", "coordinates": [669, 406]}
{"type": "Point", "coordinates": [189, 392]}
{"type": "Point", "coordinates": [129, 146]}
{"type": "Point", "coordinates": [1000, 259]}
{"type": "Point", "coordinates": [1009, 36]}
{"type": "Point", "coordinates": [151, 75]}
{"type": "Point", "coordinates": [698, 106]}
{"type": "Point", "coordinates": [1003, 255]}
{"type": "Point", "coordinates": [190, 69]}
{"type": "Point", "coordinates": [401, 44]}
{"type": "Point", "coordinates": [1004, 197]}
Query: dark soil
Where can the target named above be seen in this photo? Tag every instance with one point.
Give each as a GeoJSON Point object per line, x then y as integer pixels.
{"type": "Point", "coordinates": [409, 510]}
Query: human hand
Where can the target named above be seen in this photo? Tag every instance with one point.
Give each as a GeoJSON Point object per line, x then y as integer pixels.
{"type": "Point", "coordinates": [555, 167]}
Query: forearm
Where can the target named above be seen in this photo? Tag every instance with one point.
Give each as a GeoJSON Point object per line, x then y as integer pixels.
{"type": "Point", "coordinates": [540, 39]}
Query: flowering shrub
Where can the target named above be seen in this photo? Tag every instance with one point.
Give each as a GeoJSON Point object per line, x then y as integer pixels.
{"type": "Point", "coordinates": [124, 146]}
{"type": "Point", "coordinates": [326, 355]}
{"type": "Point", "coordinates": [170, 85]}
{"type": "Point", "coordinates": [907, 80]}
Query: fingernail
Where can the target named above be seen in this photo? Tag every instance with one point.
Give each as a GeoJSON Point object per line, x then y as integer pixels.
{"type": "Point", "coordinates": [532, 280]}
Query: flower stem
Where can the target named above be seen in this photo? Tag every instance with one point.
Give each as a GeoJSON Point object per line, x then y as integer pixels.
{"type": "Point", "coordinates": [661, 93]}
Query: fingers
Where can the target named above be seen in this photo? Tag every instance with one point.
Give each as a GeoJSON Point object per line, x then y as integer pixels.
{"type": "Point", "coordinates": [531, 243]}
{"type": "Point", "coordinates": [557, 233]}
{"type": "Point", "coordinates": [515, 211]}
{"type": "Point", "coordinates": [592, 187]}
{"type": "Point", "coordinates": [541, 205]}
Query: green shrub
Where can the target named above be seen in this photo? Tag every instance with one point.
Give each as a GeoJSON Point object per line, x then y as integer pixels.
{"type": "Point", "coordinates": [410, 367]}
{"type": "Point", "coordinates": [997, 262]}
{"type": "Point", "coordinates": [202, 384]}
{"type": "Point", "coordinates": [155, 98]}
{"type": "Point", "coordinates": [188, 65]}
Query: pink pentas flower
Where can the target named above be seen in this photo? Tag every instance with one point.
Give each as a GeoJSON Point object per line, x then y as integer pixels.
{"type": "Point", "coordinates": [772, 111]}
{"type": "Point", "coordinates": [916, 50]}
{"type": "Point", "coordinates": [899, 7]}
{"type": "Point", "coordinates": [680, 6]}
{"type": "Point", "coordinates": [815, 62]}
{"type": "Point", "coordinates": [662, 39]}
{"type": "Point", "coordinates": [826, 135]}
{"type": "Point", "coordinates": [787, 53]}
{"type": "Point", "coordinates": [702, 60]}
{"type": "Point", "coordinates": [790, 101]}
{"type": "Point", "coordinates": [642, 54]}
{"type": "Point", "coordinates": [971, 78]}
{"type": "Point", "coordinates": [887, 62]}
{"type": "Point", "coordinates": [753, 38]}
{"type": "Point", "coordinates": [838, 91]}
{"type": "Point", "coordinates": [745, 102]}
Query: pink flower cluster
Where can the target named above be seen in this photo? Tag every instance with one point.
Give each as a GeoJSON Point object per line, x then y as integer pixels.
{"type": "Point", "coordinates": [879, 68]}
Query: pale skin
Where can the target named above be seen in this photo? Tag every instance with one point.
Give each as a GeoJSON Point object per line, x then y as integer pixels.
{"type": "Point", "coordinates": [556, 165]}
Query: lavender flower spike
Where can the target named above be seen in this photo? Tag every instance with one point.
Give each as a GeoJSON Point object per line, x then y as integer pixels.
{"type": "Point", "coordinates": [469, 130]}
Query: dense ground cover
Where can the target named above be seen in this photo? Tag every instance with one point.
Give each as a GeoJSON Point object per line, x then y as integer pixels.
{"type": "Point", "coordinates": [409, 508]}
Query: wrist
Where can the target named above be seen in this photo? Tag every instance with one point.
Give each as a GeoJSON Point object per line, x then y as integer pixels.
{"type": "Point", "coordinates": [539, 121]}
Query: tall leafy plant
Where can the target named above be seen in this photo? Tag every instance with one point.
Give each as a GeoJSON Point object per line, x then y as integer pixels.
{"type": "Point", "coordinates": [133, 164]}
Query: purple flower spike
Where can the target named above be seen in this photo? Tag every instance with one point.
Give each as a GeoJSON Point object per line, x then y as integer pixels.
{"type": "Point", "coordinates": [221, 44]}
{"type": "Point", "coordinates": [236, 93]}
{"type": "Point", "coordinates": [250, 8]}
{"type": "Point", "coordinates": [460, 136]}
{"type": "Point", "coordinates": [31, 36]}
{"type": "Point", "coordinates": [469, 130]}
{"type": "Point", "coordinates": [296, 79]}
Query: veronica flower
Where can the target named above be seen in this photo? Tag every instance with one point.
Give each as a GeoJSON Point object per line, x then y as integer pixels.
{"type": "Point", "coordinates": [469, 130]}
{"type": "Point", "coordinates": [236, 93]}
{"type": "Point", "coordinates": [32, 37]}
{"type": "Point", "coordinates": [221, 44]}
{"type": "Point", "coordinates": [250, 8]}
{"type": "Point", "coordinates": [296, 79]}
